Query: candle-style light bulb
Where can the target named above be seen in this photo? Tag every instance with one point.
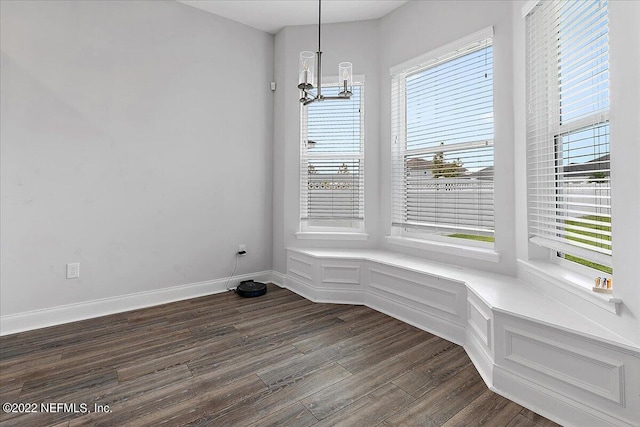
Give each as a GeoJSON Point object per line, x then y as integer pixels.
{"type": "Point", "coordinates": [345, 77]}
{"type": "Point", "coordinates": [306, 70]}
{"type": "Point", "coordinates": [344, 70]}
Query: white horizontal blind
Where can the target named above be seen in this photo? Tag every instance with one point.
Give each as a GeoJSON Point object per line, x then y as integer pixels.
{"type": "Point", "coordinates": [568, 128]}
{"type": "Point", "coordinates": [442, 129]}
{"type": "Point", "coordinates": [332, 159]}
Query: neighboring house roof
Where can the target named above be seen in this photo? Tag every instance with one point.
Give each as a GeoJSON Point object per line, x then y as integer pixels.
{"type": "Point", "coordinates": [486, 173]}
{"type": "Point", "coordinates": [419, 164]}
{"type": "Point", "coordinates": [601, 164]}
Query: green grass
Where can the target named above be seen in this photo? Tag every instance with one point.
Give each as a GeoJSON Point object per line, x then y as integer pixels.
{"type": "Point", "coordinates": [589, 264]}
{"type": "Point", "coordinates": [594, 227]}
{"type": "Point", "coordinates": [595, 234]}
{"type": "Point", "coordinates": [568, 257]}
{"type": "Point", "coordinates": [473, 237]}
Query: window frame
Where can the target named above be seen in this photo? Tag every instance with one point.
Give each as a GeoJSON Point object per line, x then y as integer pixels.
{"type": "Point", "coordinates": [337, 229]}
{"type": "Point", "coordinates": [413, 236]}
{"type": "Point", "coordinates": [556, 130]}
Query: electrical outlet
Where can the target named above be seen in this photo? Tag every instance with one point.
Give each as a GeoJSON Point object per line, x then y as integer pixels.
{"type": "Point", "coordinates": [242, 248]}
{"type": "Point", "coordinates": [73, 270]}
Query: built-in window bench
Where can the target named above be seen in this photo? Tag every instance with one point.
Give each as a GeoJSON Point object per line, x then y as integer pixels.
{"type": "Point", "coordinates": [527, 346]}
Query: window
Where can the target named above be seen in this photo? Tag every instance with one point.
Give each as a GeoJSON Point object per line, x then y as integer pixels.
{"type": "Point", "coordinates": [569, 181]}
{"type": "Point", "coordinates": [332, 163]}
{"type": "Point", "coordinates": [442, 130]}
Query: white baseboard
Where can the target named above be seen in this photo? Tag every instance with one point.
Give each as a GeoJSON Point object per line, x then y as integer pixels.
{"type": "Point", "coordinates": [552, 405]}
{"type": "Point", "coordinates": [419, 318]}
{"type": "Point", "coordinates": [300, 288]}
{"type": "Point", "coordinates": [278, 279]}
{"type": "Point", "coordinates": [480, 359]}
{"type": "Point", "coordinates": [410, 315]}
{"type": "Point", "coordinates": [20, 322]}
{"type": "Point", "coordinates": [328, 296]}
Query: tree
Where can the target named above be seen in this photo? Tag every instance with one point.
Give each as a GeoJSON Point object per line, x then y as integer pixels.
{"type": "Point", "coordinates": [442, 168]}
{"type": "Point", "coordinates": [598, 178]}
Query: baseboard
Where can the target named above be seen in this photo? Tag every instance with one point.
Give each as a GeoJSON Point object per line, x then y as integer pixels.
{"type": "Point", "coordinates": [418, 318]}
{"type": "Point", "coordinates": [324, 295]}
{"type": "Point", "coordinates": [548, 403]}
{"type": "Point", "coordinates": [300, 288]}
{"type": "Point", "coordinates": [20, 322]}
{"type": "Point", "coordinates": [278, 279]}
{"type": "Point", "coordinates": [402, 312]}
{"type": "Point", "coordinates": [480, 359]}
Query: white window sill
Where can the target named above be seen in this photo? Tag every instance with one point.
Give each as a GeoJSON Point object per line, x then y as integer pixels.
{"type": "Point", "coordinates": [447, 248]}
{"type": "Point", "coordinates": [570, 281]}
{"type": "Point", "coordinates": [330, 235]}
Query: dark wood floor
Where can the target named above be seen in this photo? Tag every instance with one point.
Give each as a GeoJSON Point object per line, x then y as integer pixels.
{"type": "Point", "coordinates": [226, 361]}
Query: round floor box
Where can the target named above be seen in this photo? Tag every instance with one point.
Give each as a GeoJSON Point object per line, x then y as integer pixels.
{"type": "Point", "coordinates": [250, 289]}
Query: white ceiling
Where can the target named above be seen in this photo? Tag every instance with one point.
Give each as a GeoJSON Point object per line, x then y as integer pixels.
{"type": "Point", "coordinates": [272, 15]}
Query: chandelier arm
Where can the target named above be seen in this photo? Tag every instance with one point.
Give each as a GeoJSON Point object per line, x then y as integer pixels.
{"type": "Point", "coordinates": [347, 96]}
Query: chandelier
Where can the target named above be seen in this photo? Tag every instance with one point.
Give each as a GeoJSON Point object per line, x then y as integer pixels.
{"type": "Point", "coordinates": [310, 62]}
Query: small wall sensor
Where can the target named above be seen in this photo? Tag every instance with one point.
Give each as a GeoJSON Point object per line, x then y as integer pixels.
{"type": "Point", "coordinates": [273, 86]}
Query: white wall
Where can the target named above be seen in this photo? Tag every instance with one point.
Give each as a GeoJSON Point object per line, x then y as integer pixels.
{"type": "Point", "coordinates": [355, 42]}
{"type": "Point", "coordinates": [136, 140]}
{"type": "Point", "coordinates": [625, 158]}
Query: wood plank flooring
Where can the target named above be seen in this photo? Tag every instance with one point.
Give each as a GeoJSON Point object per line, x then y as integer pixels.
{"type": "Point", "coordinates": [221, 360]}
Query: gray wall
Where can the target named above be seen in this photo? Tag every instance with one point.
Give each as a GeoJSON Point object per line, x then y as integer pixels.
{"type": "Point", "coordinates": [136, 140]}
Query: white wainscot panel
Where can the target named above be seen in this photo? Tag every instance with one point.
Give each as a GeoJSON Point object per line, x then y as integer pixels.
{"type": "Point", "coordinates": [336, 273]}
{"type": "Point", "coordinates": [593, 382]}
{"type": "Point", "coordinates": [300, 268]}
{"type": "Point", "coordinates": [479, 321]}
{"type": "Point", "coordinates": [478, 336]}
{"type": "Point", "coordinates": [438, 297]}
{"type": "Point", "coordinates": [573, 366]}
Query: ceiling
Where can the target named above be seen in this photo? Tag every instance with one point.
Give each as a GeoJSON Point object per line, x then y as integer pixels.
{"type": "Point", "coordinates": [272, 15]}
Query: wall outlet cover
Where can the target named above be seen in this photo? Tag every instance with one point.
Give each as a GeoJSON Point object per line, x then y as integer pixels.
{"type": "Point", "coordinates": [73, 270]}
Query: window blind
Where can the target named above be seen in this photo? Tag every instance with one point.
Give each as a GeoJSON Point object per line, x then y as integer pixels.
{"type": "Point", "coordinates": [568, 128]}
{"type": "Point", "coordinates": [442, 129]}
{"type": "Point", "coordinates": [332, 159]}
